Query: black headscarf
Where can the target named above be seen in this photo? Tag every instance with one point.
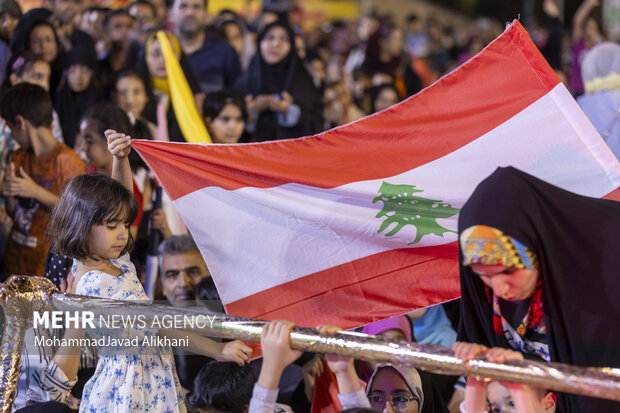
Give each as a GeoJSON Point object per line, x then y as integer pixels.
{"type": "Point", "coordinates": [71, 105]}
{"type": "Point", "coordinates": [577, 242]}
{"type": "Point", "coordinates": [289, 75]}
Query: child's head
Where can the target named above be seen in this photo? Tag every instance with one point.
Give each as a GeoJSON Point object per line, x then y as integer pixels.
{"type": "Point", "coordinates": [397, 387]}
{"type": "Point", "coordinates": [224, 387]}
{"type": "Point", "coordinates": [27, 67]}
{"type": "Point", "coordinates": [130, 92]}
{"type": "Point", "coordinates": [501, 401]}
{"type": "Point", "coordinates": [225, 115]}
{"type": "Point", "coordinates": [26, 106]}
{"type": "Point", "coordinates": [94, 123]}
{"type": "Point", "coordinates": [92, 218]}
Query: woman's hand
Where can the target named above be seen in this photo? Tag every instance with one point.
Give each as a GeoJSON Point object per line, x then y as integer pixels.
{"type": "Point", "coordinates": [256, 105]}
{"type": "Point", "coordinates": [119, 144]}
{"type": "Point", "coordinates": [235, 351]}
{"type": "Point", "coordinates": [468, 351]}
{"type": "Point", "coordinates": [280, 104]}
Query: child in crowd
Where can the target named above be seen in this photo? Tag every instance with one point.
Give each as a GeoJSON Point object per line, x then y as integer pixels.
{"type": "Point", "coordinates": [91, 225]}
{"type": "Point", "coordinates": [225, 115]}
{"type": "Point", "coordinates": [34, 179]}
{"type": "Point", "coordinates": [502, 397]}
{"type": "Point", "coordinates": [25, 68]}
{"type": "Point", "coordinates": [222, 387]}
{"type": "Point", "coordinates": [130, 92]}
{"type": "Point", "coordinates": [277, 354]}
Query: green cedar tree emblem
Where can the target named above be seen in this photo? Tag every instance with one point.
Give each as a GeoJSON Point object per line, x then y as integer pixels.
{"type": "Point", "coordinates": [402, 208]}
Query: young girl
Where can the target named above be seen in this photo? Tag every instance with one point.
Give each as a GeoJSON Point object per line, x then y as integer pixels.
{"type": "Point", "coordinates": [91, 225]}
{"type": "Point", "coordinates": [225, 115]}
{"type": "Point", "coordinates": [503, 397]}
{"type": "Point", "coordinates": [132, 94]}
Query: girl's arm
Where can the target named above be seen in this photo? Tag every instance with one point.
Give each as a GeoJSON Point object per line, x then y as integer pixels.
{"type": "Point", "coordinates": [119, 146]}
{"type": "Point", "coordinates": [68, 358]}
{"type": "Point", "coordinates": [235, 351]}
{"type": "Point", "coordinates": [475, 396]}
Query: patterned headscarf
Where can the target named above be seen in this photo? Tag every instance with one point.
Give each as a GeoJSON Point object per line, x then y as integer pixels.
{"type": "Point", "coordinates": [481, 244]}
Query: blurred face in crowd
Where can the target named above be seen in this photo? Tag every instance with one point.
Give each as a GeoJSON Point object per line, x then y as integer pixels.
{"type": "Point", "coordinates": [92, 23]}
{"type": "Point", "coordinates": [144, 15]}
{"type": "Point", "coordinates": [66, 10]}
{"type": "Point", "coordinates": [161, 12]}
{"type": "Point", "coordinates": [386, 98]}
{"type": "Point", "coordinates": [38, 74]}
{"type": "Point", "coordinates": [234, 36]}
{"type": "Point", "coordinates": [390, 393]}
{"type": "Point", "coordinates": [367, 26]}
{"type": "Point", "coordinates": [95, 146]}
{"type": "Point", "coordinates": [7, 25]}
{"type": "Point", "coordinates": [155, 60]}
{"type": "Point", "coordinates": [228, 126]}
{"type": "Point", "coordinates": [131, 95]}
{"type": "Point", "coordinates": [181, 273]}
{"type": "Point", "coordinates": [42, 43]}
{"type": "Point", "coordinates": [300, 45]}
{"type": "Point", "coordinates": [393, 44]}
{"type": "Point", "coordinates": [189, 15]}
{"type": "Point", "coordinates": [508, 283]}
{"type": "Point", "coordinates": [79, 77]}
{"type": "Point", "coordinates": [119, 28]}
{"type": "Point", "coordinates": [275, 45]}
{"type": "Point", "coordinates": [317, 69]}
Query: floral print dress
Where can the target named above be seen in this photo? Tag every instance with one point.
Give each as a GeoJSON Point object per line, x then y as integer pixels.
{"type": "Point", "coordinates": [140, 379]}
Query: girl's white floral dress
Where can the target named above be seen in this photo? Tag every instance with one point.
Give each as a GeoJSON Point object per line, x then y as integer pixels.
{"type": "Point", "coordinates": [140, 379]}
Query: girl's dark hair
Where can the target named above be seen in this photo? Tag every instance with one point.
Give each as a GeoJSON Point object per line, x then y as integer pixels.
{"type": "Point", "coordinates": [129, 72]}
{"type": "Point", "coordinates": [89, 199]}
{"type": "Point", "coordinates": [108, 116]}
{"type": "Point", "coordinates": [19, 64]}
{"type": "Point", "coordinates": [215, 101]}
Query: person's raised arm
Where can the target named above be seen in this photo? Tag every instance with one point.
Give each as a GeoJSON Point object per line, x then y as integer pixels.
{"type": "Point", "coordinates": [580, 17]}
{"type": "Point", "coordinates": [119, 147]}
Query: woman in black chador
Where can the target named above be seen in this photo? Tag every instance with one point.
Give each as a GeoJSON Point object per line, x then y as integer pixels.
{"type": "Point", "coordinates": [540, 273]}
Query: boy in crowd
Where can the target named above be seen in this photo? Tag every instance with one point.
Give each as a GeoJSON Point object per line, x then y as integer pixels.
{"type": "Point", "coordinates": [35, 177]}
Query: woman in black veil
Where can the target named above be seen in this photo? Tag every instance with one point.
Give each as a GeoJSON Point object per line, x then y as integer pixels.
{"type": "Point", "coordinates": [540, 273]}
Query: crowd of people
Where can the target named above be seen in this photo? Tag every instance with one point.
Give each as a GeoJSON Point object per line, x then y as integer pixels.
{"type": "Point", "coordinates": [78, 83]}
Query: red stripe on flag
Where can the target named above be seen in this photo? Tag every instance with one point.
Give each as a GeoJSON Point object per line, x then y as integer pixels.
{"type": "Point", "coordinates": [614, 195]}
{"type": "Point", "coordinates": [372, 288]}
{"type": "Point", "coordinates": [460, 107]}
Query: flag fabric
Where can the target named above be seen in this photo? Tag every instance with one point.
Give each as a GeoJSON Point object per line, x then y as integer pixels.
{"type": "Point", "coordinates": [358, 223]}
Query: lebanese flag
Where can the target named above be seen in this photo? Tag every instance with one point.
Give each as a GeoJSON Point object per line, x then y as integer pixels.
{"type": "Point", "coordinates": [358, 223]}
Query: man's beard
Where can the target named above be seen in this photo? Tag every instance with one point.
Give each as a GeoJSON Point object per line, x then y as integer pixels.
{"type": "Point", "coordinates": [191, 29]}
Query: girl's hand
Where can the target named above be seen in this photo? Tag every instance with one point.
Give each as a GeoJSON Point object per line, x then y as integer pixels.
{"type": "Point", "coordinates": [119, 144]}
{"type": "Point", "coordinates": [337, 364]}
{"type": "Point", "coordinates": [468, 351]}
{"type": "Point", "coordinates": [235, 351]}
{"type": "Point", "coordinates": [275, 341]}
